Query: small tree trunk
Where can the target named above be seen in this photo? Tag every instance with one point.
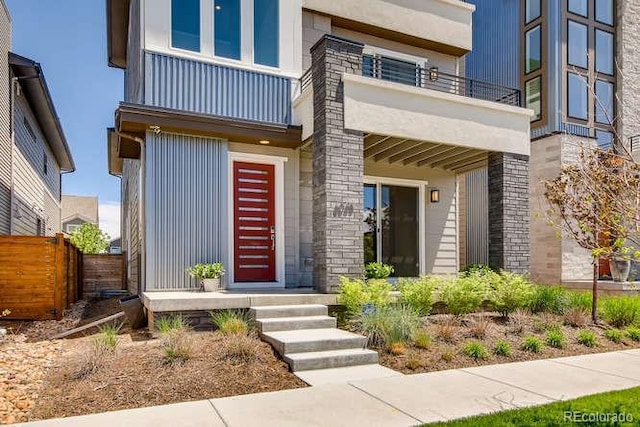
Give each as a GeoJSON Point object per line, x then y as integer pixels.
{"type": "Point", "coordinates": [594, 291]}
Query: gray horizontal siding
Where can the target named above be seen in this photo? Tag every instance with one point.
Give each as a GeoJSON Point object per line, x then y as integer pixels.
{"type": "Point", "coordinates": [185, 84]}
{"type": "Point", "coordinates": [186, 207]}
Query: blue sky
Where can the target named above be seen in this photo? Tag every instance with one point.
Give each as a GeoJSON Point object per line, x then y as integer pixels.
{"type": "Point", "coordinates": [68, 38]}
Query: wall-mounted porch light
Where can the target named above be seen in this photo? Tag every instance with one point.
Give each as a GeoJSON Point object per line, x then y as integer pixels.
{"type": "Point", "coordinates": [434, 195]}
{"type": "Point", "coordinates": [264, 142]}
{"type": "Point", "coordinates": [433, 74]}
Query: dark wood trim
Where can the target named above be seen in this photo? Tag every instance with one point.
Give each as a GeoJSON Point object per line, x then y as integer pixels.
{"type": "Point", "coordinates": [138, 119]}
{"type": "Point", "coordinates": [392, 35]}
{"type": "Point", "coordinates": [117, 32]}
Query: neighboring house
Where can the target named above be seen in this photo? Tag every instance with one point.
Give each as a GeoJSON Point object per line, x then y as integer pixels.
{"type": "Point", "coordinates": [33, 149]}
{"type": "Point", "coordinates": [578, 66]}
{"type": "Point", "coordinates": [115, 246]}
{"type": "Point", "coordinates": [296, 140]}
{"type": "Point", "coordinates": [77, 210]}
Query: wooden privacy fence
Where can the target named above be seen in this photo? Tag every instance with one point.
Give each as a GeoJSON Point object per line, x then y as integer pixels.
{"type": "Point", "coordinates": [103, 272]}
{"type": "Point", "coordinates": [39, 276]}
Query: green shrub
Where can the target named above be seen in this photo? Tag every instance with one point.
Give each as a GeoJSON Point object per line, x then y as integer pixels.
{"type": "Point", "coordinates": [587, 338]}
{"type": "Point", "coordinates": [377, 270]}
{"type": "Point", "coordinates": [389, 325]}
{"type": "Point", "coordinates": [206, 271]}
{"type": "Point", "coordinates": [231, 322]}
{"type": "Point", "coordinates": [475, 350]}
{"type": "Point", "coordinates": [170, 323]}
{"type": "Point", "coordinates": [510, 292]}
{"type": "Point", "coordinates": [418, 293]}
{"type": "Point", "coordinates": [550, 300]}
{"type": "Point", "coordinates": [422, 339]}
{"type": "Point", "coordinates": [532, 344]}
{"type": "Point", "coordinates": [613, 335]}
{"type": "Point", "coordinates": [620, 311]}
{"type": "Point", "coordinates": [580, 300]}
{"type": "Point", "coordinates": [356, 294]}
{"type": "Point", "coordinates": [472, 269]}
{"type": "Point", "coordinates": [503, 348]}
{"type": "Point", "coordinates": [464, 295]}
{"type": "Point", "coordinates": [633, 333]}
{"type": "Point", "coordinates": [556, 339]}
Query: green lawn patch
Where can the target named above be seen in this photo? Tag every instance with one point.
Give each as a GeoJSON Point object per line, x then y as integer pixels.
{"type": "Point", "coordinates": [617, 408]}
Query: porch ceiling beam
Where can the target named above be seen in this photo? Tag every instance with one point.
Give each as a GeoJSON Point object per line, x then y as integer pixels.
{"type": "Point", "coordinates": [462, 163]}
{"type": "Point", "coordinates": [443, 156]}
{"type": "Point", "coordinates": [422, 147]}
{"type": "Point", "coordinates": [429, 154]}
{"type": "Point", "coordinates": [407, 144]}
{"type": "Point", "coordinates": [460, 156]}
{"type": "Point", "coordinates": [379, 148]}
{"type": "Point", "coordinates": [372, 140]}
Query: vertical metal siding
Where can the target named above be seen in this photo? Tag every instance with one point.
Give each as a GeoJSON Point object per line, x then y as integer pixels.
{"type": "Point", "coordinates": [477, 199]}
{"type": "Point", "coordinates": [5, 123]}
{"type": "Point", "coordinates": [496, 42]}
{"type": "Point", "coordinates": [189, 85]}
{"type": "Point", "coordinates": [186, 207]}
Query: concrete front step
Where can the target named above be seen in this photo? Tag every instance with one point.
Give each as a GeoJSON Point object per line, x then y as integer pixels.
{"type": "Point", "coordinates": [330, 359]}
{"type": "Point", "coordinates": [311, 340]}
{"type": "Point", "coordinates": [346, 374]}
{"type": "Point", "coordinates": [276, 311]}
{"type": "Point", "coordinates": [295, 323]}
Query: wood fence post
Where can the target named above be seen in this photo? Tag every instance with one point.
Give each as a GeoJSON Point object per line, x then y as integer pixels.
{"type": "Point", "coordinates": [60, 285]}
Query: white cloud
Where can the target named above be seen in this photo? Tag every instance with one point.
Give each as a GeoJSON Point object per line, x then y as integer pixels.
{"type": "Point", "coordinates": [109, 214]}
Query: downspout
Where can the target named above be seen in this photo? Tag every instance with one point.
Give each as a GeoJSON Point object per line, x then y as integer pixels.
{"type": "Point", "coordinates": [142, 278]}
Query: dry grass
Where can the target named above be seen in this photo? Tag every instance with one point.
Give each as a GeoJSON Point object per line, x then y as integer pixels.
{"type": "Point", "coordinates": [240, 349]}
{"type": "Point", "coordinates": [446, 328]}
{"type": "Point", "coordinates": [576, 317]}
{"type": "Point", "coordinates": [480, 325]}
{"type": "Point", "coordinates": [518, 321]}
{"type": "Point", "coordinates": [177, 345]}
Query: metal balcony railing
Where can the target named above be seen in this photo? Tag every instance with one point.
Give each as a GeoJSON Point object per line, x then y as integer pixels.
{"type": "Point", "coordinates": [305, 80]}
{"type": "Point", "coordinates": [408, 73]}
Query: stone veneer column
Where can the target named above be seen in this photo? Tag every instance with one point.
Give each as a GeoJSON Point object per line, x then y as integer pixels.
{"type": "Point", "coordinates": [338, 166]}
{"type": "Point", "coordinates": [509, 247]}
{"type": "Point", "coordinates": [628, 68]}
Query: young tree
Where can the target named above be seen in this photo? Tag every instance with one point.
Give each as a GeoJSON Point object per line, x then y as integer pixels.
{"type": "Point", "coordinates": [89, 239]}
{"type": "Point", "coordinates": [595, 201]}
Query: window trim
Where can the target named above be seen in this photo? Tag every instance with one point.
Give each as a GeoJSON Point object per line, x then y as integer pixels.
{"type": "Point", "coordinates": [542, 71]}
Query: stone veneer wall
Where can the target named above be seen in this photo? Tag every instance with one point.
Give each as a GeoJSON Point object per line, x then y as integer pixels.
{"type": "Point", "coordinates": [338, 167]}
{"type": "Point", "coordinates": [509, 247]}
{"type": "Point", "coordinates": [628, 63]}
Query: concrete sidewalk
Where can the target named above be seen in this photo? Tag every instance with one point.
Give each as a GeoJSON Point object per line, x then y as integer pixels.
{"type": "Point", "coordinates": [395, 401]}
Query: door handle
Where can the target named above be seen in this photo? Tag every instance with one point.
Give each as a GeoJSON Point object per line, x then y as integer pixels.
{"type": "Point", "coordinates": [273, 237]}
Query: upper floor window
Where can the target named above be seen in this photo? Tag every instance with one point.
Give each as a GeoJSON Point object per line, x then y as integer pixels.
{"type": "Point", "coordinates": [604, 102]}
{"type": "Point", "coordinates": [604, 11]}
{"type": "Point", "coordinates": [266, 23]}
{"type": "Point", "coordinates": [579, 7]}
{"type": "Point", "coordinates": [533, 51]}
{"type": "Point", "coordinates": [227, 29]}
{"type": "Point", "coordinates": [532, 10]}
{"type": "Point", "coordinates": [29, 129]}
{"type": "Point", "coordinates": [577, 96]}
{"type": "Point", "coordinates": [604, 52]}
{"type": "Point", "coordinates": [577, 42]}
{"type": "Point", "coordinates": [185, 24]}
{"type": "Point", "coordinates": [45, 163]}
{"type": "Point", "coordinates": [533, 97]}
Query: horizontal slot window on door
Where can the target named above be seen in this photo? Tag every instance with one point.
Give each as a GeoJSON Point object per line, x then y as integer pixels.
{"type": "Point", "coordinates": [185, 24]}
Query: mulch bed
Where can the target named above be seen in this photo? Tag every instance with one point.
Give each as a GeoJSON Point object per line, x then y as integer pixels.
{"type": "Point", "coordinates": [442, 355]}
{"type": "Point", "coordinates": [137, 376]}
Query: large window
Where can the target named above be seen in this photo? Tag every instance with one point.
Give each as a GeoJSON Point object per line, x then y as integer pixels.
{"type": "Point", "coordinates": [266, 32]}
{"type": "Point", "coordinates": [579, 7]}
{"type": "Point", "coordinates": [604, 52]}
{"type": "Point", "coordinates": [577, 94]}
{"type": "Point", "coordinates": [577, 44]}
{"type": "Point", "coordinates": [532, 10]}
{"type": "Point", "coordinates": [533, 51]}
{"type": "Point", "coordinates": [185, 24]}
{"type": "Point", "coordinates": [604, 102]}
{"type": "Point", "coordinates": [604, 11]}
{"type": "Point", "coordinates": [533, 97]}
{"type": "Point", "coordinates": [227, 28]}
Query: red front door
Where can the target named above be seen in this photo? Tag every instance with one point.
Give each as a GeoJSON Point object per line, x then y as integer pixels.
{"type": "Point", "coordinates": [254, 222]}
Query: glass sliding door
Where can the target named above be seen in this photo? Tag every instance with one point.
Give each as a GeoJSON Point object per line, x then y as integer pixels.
{"type": "Point", "coordinates": [391, 227]}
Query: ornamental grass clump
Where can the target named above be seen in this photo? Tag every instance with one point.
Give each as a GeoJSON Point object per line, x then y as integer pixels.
{"type": "Point", "coordinates": [177, 341]}
{"type": "Point", "coordinates": [633, 333]}
{"type": "Point", "coordinates": [422, 339]}
{"type": "Point", "coordinates": [231, 322]}
{"type": "Point", "coordinates": [555, 338]}
{"type": "Point", "coordinates": [390, 325]}
{"type": "Point", "coordinates": [587, 338]}
{"type": "Point", "coordinates": [480, 325]}
{"type": "Point", "coordinates": [620, 311]}
{"type": "Point", "coordinates": [532, 344]}
{"type": "Point", "coordinates": [613, 335]}
{"type": "Point", "coordinates": [475, 351]}
{"type": "Point", "coordinates": [549, 300]}
{"type": "Point", "coordinates": [502, 348]}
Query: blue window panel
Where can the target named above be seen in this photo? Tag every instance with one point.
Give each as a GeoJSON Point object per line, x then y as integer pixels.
{"type": "Point", "coordinates": [226, 24]}
{"type": "Point", "coordinates": [604, 102]}
{"type": "Point", "coordinates": [185, 24]}
{"type": "Point", "coordinates": [532, 10]}
{"type": "Point", "coordinates": [533, 49]}
{"type": "Point", "coordinates": [577, 97]}
{"type": "Point", "coordinates": [604, 139]}
{"type": "Point", "coordinates": [577, 45]}
{"type": "Point", "coordinates": [579, 7]}
{"type": "Point", "coordinates": [604, 52]}
{"type": "Point", "coordinates": [266, 31]}
{"type": "Point", "coordinates": [604, 11]}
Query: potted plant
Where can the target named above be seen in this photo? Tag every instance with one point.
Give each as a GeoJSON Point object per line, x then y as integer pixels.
{"type": "Point", "coordinates": [620, 264]}
{"type": "Point", "coordinates": [208, 274]}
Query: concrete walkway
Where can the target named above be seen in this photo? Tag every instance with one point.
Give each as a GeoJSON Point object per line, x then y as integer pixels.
{"type": "Point", "coordinates": [395, 401]}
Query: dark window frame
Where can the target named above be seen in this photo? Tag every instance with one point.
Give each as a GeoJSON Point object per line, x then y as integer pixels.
{"type": "Point", "coordinates": [540, 72]}
{"type": "Point", "coordinates": [29, 128]}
